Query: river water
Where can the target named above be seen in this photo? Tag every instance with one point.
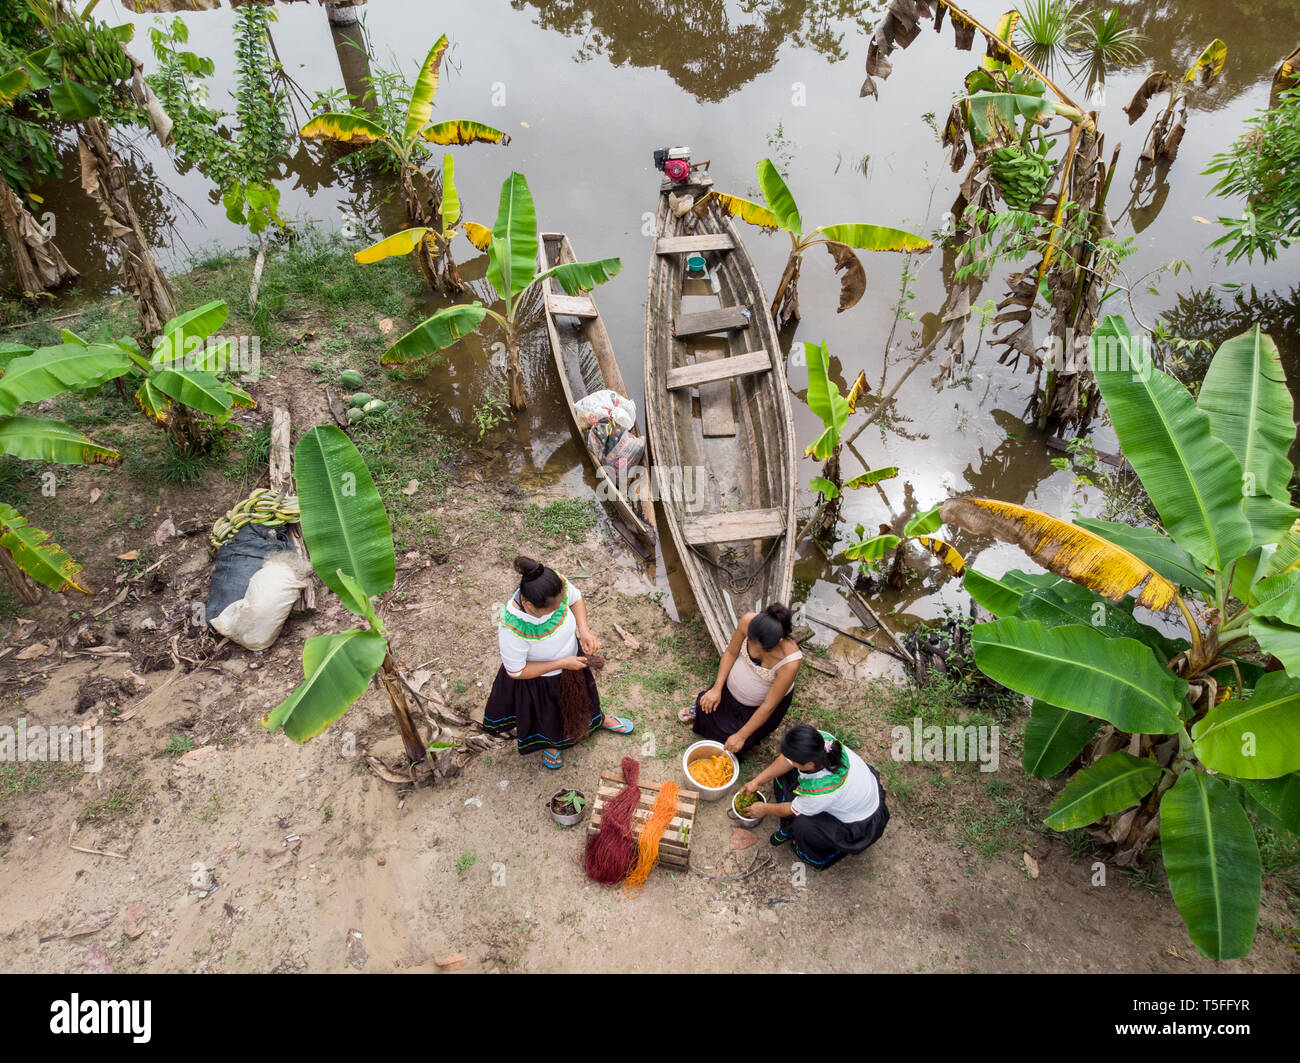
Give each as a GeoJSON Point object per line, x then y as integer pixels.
{"type": "Point", "coordinates": [588, 88]}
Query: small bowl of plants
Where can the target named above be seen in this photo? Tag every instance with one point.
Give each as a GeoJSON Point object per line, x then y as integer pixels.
{"type": "Point", "coordinates": [740, 803]}
{"type": "Point", "coordinates": [567, 807]}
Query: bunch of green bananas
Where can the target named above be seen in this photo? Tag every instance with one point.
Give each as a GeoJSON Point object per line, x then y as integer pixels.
{"type": "Point", "coordinates": [91, 51]}
{"type": "Point", "coordinates": [263, 506]}
{"type": "Point", "coordinates": [1021, 174]}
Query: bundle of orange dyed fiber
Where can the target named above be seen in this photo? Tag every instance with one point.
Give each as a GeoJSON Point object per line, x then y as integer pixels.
{"type": "Point", "coordinates": [610, 853]}
{"type": "Point", "coordinates": [647, 848]}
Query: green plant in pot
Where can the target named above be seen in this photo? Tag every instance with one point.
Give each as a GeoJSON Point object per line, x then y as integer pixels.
{"type": "Point", "coordinates": [567, 806]}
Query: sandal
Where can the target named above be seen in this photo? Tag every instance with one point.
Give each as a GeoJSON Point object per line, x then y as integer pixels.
{"type": "Point", "coordinates": [624, 726]}
{"type": "Point", "coordinates": [687, 715]}
{"type": "Point", "coordinates": [552, 760]}
{"type": "Point", "coordinates": [780, 837]}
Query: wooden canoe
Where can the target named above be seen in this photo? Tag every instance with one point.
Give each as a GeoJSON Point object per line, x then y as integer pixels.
{"type": "Point", "coordinates": [716, 400]}
{"type": "Point", "coordinates": [585, 362]}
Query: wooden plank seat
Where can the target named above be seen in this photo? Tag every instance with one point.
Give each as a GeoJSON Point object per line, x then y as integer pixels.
{"type": "Point", "coordinates": [725, 319]}
{"type": "Point", "coordinates": [702, 372]}
{"type": "Point", "coordinates": [674, 245]}
{"type": "Point", "coordinates": [573, 305]}
{"type": "Point", "coordinates": [735, 527]}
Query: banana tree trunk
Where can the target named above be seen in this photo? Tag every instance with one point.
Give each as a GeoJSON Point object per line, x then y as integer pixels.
{"type": "Point", "coordinates": [412, 743]}
{"type": "Point", "coordinates": [27, 588]}
{"type": "Point", "coordinates": [785, 304]}
{"type": "Point", "coordinates": [104, 178]}
{"type": "Point", "coordinates": [514, 369]}
{"type": "Point", "coordinates": [40, 264]}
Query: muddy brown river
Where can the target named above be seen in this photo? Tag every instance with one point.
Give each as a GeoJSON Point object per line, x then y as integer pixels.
{"type": "Point", "coordinates": [588, 88]}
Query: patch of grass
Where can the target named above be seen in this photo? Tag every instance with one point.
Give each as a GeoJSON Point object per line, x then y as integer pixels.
{"type": "Point", "coordinates": [466, 861]}
{"type": "Point", "coordinates": [30, 778]}
{"type": "Point", "coordinates": [123, 801]}
{"type": "Point", "coordinates": [180, 466]}
{"type": "Point", "coordinates": [999, 828]}
{"type": "Point", "coordinates": [178, 745]}
{"type": "Point", "coordinates": [254, 454]}
{"type": "Point", "coordinates": [567, 518]}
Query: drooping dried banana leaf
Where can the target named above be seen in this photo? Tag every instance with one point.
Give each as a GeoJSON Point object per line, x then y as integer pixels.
{"type": "Point", "coordinates": [1156, 82]}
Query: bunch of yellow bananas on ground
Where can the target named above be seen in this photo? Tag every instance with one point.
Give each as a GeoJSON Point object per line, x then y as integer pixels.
{"type": "Point", "coordinates": [264, 506]}
{"type": "Point", "coordinates": [92, 51]}
{"type": "Point", "coordinates": [1021, 174]}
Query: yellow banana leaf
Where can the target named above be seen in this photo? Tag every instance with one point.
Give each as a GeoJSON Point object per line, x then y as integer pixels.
{"type": "Point", "coordinates": [426, 87]}
{"type": "Point", "coordinates": [402, 243]}
{"type": "Point", "coordinates": [860, 388]}
{"type": "Point", "coordinates": [478, 235]}
{"type": "Point", "coordinates": [463, 131]}
{"type": "Point", "coordinates": [945, 552]}
{"type": "Point", "coordinates": [744, 209]}
{"type": "Point", "coordinates": [1209, 65]}
{"type": "Point", "coordinates": [1071, 552]}
{"type": "Point", "coordinates": [344, 128]}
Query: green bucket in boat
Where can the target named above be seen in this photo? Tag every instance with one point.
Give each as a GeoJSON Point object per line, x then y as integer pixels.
{"type": "Point", "coordinates": [695, 264]}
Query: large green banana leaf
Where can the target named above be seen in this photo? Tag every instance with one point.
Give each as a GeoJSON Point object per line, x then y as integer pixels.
{"type": "Point", "coordinates": [513, 257]}
{"type": "Point", "coordinates": [1154, 549]}
{"type": "Point", "coordinates": [578, 277]}
{"type": "Point", "coordinates": [436, 333]}
{"type": "Point", "coordinates": [1279, 639]}
{"type": "Point", "coordinates": [337, 670]}
{"type": "Point", "coordinates": [197, 390]}
{"type": "Point", "coordinates": [56, 370]}
{"type": "Point", "coordinates": [45, 561]}
{"type": "Point", "coordinates": [1194, 480]}
{"type": "Point", "coordinates": [10, 351]}
{"type": "Point", "coordinates": [1079, 668]}
{"type": "Point", "coordinates": [1250, 409]}
{"type": "Point", "coordinates": [343, 520]}
{"type": "Point", "coordinates": [1258, 738]}
{"type": "Point", "coordinates": [872, 549]}
{"type": "Point", "coordinates": [1213, 864]}
{"type": "Point", "coordinates": [344, 129]}
{"type": "Point", "coordinates": [1115, 782]}
{"type": "Point", "coordinates": [1053, 738]}
{"type": "Point", "coordinates": [825, 400]}
{"type": "Point", "coordinates": [424, 90]}
{"type": "Point", "coordinates": [36, 439]}
{"type": "Point", "coordinates": [1286, 558]}
{"type": "Point", "coordinates": [778, 198]}
{"type": "Point", "coordinates": [202, 321]}
{"type": "Point", "coordinates": [998, 597]}
{"type": "Point", "coordinates": [1277, 596]}
{"type": "Point", "coordinates": [1276, 801]}
{"type": "Point", "coordinates": [925, 523]}
{"type": "Point", "coordinates": [874, 237]}
{"type": "Point", "coordinates": [400, 243]}
{"type": "Point", "coordinates": [1069, 603]}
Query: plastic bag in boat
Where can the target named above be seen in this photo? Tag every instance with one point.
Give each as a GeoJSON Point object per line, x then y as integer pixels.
{"type": "Point", "coordinates": [606, 405]}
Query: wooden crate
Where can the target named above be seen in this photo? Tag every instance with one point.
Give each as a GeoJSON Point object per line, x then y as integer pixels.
{"type": "Point", "coordinates": [675, 845]}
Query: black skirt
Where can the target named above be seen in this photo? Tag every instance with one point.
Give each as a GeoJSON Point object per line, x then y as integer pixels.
{"type": "Point", "coordinates": [823, 839]}
{"type": "Point", "coordinates": [532, 708]}
{"type": "Point", "coordinates": [731, 715]}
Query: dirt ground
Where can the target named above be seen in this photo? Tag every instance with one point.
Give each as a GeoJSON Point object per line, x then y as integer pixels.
{"type": "Point", "coordinates": [250, 853]}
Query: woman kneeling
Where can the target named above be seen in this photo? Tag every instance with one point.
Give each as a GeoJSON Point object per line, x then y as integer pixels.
{"type": "Point", "coordinates": [544, 689]}
{"type": "Point", "coordinates": [829, 799]}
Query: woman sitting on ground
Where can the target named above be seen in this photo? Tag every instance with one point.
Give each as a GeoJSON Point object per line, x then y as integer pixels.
{"type": "Point", "coordinates": [755, 683]}
{"type": "Point", "coordinates": [829, 799]}
{"type": "Point", "coordinates": [544, 689]}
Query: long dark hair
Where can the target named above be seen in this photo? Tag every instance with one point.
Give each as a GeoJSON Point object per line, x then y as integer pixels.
{"type": "Point", "coordinates": [804, 744]}
{"type": "Point", "coordinates": [771, 625]}
{"type": "Point", "coordinates": [538, 585]}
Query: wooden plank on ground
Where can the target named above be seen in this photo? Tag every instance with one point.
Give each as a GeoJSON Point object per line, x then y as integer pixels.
{"type": "Point", "coordinates": [280, 461]}
{"type": "Point", "coordinates": [734, 527]}
{"type": "Point", "coordinates": [724, 319]}
{"type": "Point", "coordinates": [672, 245]}
{"type": "Point", "coordinates": [573, 305]}
{"type": "Point", "coordinates": [717, 418]}
{"type": "Point", "coordinates": [702, 372]}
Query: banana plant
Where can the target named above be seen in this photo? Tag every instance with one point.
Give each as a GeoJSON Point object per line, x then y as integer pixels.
{"type": "Point", "coordinates": [406, 147]}
{"type": "Point", "coordinates": [868, 549]}
{"type": "Point", "coordinates": [512, 271]}
{"type": "Point", "coordinates": [1166, 132]}
{"type": "Point", "coordinates": [779, 211]}
{"type": "Point", "coordinates": [350, 543]}
{"type": "Point", "coordinates": [1190, 737]}
{"type": "Point", "coordinates": [834, 409]}
{"type": "Point", "coordinates": [432, 245]}
{"type": "Point", "coordinates": [26, 551]}
{"type": "Point", "coordinates": [180, 385]}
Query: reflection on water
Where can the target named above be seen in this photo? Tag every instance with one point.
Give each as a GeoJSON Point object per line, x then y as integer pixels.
{"type": "Point", "coordinates": [709, 48]}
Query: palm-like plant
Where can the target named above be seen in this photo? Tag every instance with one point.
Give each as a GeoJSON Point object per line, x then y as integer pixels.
{"type": "Point", "coordinates": [1101, 43]}
{"type": "Point", "coordinates": [406, 145]}
{"type": "Point", "coordinates": [779, 211]}
{"type": "Point", "coordinates": [512, 271]}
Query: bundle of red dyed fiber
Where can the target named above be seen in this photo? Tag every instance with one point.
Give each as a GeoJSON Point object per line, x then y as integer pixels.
{"type": "Point", "coordinates": [610, 853]}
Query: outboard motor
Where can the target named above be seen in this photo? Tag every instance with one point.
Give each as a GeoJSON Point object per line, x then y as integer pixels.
{"type": "Point", "coordinates": [674, 162]}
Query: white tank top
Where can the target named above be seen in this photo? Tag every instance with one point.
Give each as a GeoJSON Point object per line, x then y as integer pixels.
{"type": "Point", "coordinates": [749, 683]}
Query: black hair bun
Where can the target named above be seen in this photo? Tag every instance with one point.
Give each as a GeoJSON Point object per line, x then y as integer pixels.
{"type": "Point", "coordinates": [782, 615]}
{"type": "Point", "coordinates": [529, 569]}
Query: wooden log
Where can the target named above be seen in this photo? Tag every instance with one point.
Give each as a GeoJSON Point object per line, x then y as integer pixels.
{"type": "Point", "coordinates": [672, 245]}
{"type": "Point", "coordinates": [734, 527]}
{"type": "Point", "coordinates": [725, 319]}
{"type": "Point", "coordinates": [704, 371]}
{"type": "Point", "coordinates": [281, 469]}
